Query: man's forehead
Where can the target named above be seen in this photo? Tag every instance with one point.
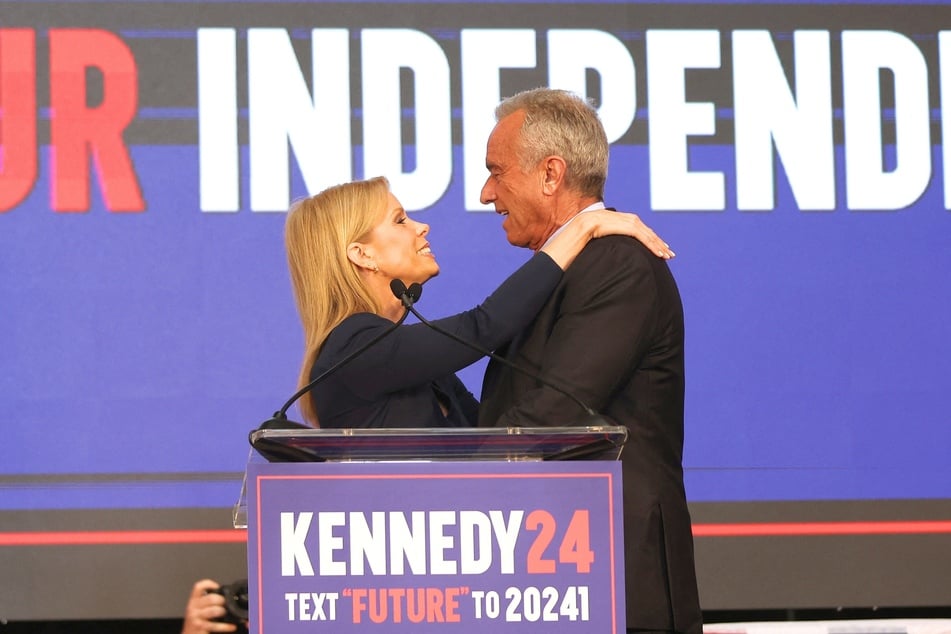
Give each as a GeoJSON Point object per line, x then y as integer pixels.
{"type": "Point", "coordinates": [502, 139]}
{"type": "Point", "coordinates": [510, 124]}
{"type": "Point", "coordinates": [492, 150]}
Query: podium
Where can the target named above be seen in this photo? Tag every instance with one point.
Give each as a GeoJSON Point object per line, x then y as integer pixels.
{"type": "Point", "coordinates": [436, 530]}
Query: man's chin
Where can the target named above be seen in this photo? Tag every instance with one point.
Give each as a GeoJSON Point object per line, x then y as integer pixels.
{"type": "Point", "coordinates": [515, 240]}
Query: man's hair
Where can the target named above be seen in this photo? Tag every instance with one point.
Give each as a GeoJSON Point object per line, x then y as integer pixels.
{"type": "Point", "coordinates": [561, 123]}
{"type": "Point", "coordinates": [327, 286]}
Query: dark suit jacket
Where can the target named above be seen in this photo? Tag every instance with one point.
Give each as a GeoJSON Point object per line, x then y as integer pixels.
{"type": "Point", "coordinates": [612, 334]}
{"type": "Point", "coordinates": [400, 380]}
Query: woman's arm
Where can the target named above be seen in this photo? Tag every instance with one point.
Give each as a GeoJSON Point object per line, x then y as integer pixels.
{"type": "Point", "coordinates": [416, 354]}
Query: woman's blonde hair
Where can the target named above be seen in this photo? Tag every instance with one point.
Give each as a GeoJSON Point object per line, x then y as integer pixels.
{"type": "Point", "coordinates": [327, 285]}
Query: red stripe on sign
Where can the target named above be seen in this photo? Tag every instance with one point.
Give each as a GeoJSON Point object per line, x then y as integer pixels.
{"type": "Point", "coordinates": [84, 538]}
{"type": "Point", "coordinates": [234, 536]}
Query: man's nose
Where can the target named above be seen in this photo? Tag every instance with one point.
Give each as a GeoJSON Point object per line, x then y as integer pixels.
{"type": "Point", "coordinates": [487, 194]}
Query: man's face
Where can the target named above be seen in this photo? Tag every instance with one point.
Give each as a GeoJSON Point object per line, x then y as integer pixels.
{"type": "Point", "coordinates": [517, 195]}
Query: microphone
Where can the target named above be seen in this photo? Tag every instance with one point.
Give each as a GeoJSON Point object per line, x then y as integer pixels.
{"type": "Point", "coordinates": [276, 452]}
{"type": "Point", "coordinates": [409, 296]}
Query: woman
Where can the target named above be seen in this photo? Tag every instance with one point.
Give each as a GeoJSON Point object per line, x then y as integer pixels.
{"type": "Point", "coordinates": [344, 247]}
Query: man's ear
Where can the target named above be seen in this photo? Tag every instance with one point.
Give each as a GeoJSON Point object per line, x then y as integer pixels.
{"type": "Point", "coordinates": [555, 168]}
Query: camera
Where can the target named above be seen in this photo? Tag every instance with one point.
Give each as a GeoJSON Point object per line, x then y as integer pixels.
{"type": "Point", "coordinates": [236, 602]}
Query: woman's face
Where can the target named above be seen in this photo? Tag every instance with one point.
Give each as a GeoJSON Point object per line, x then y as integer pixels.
{"type": "Point", "coordinates": [398, 246]}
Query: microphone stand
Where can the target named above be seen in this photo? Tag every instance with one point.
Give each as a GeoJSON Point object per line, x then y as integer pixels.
{"type": "Point", "coordinates": [278, 452]}
{"type": "Point", "coordinates": [406, 295]}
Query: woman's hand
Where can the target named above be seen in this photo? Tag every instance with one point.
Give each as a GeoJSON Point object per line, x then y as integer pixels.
{"type": "Point", "coordinates": [565, 246]}
{"type": "Point", "coordinates": [604, 222]}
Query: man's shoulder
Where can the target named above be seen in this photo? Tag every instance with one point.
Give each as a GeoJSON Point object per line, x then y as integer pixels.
{"type": "Point", "coordinates": [620, 263]}
{"type": "Point", "coordinates": [613, 251]}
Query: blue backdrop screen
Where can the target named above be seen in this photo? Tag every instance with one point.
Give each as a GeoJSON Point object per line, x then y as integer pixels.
{"type": "Point", "coordinates": [794, 156]}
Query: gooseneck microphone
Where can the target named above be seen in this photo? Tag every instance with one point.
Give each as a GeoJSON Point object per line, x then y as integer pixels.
{"type": "Point", "coordinates": [276, 451]}
{"type": "Point", "coordinates": [280, 421]}
{"type": "Point", "coordinates": [406, 295]}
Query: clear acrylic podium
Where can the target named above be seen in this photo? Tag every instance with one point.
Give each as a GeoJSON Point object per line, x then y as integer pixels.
{"type": "Point", "coordinates": [508, 444]}
{"type": "Point", "coordinates": [429, 530]}
{"type": "Point", "coordinates": [468, 443]}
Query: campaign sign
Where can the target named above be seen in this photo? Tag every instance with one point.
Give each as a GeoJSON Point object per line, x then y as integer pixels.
{"type": "Point", "coordinates": [435, 547]}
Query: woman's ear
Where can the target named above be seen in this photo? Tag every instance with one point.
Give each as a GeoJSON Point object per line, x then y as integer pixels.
{"type": "Point", "coordinates": [357, 253]}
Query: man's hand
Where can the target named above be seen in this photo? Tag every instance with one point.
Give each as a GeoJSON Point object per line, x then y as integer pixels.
{"type": "Point", "coordinates": [203, 606]}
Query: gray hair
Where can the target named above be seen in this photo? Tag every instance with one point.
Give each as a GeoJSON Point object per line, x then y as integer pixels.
{"type": "Point", "coordinates": [561, 123]}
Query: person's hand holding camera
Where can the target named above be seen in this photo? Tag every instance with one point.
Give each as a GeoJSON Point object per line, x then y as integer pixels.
{"type": "Point", "coordinates": [205, 608]}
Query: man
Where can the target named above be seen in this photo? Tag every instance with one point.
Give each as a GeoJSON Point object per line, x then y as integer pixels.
{"type": "Point", "coordinates": [612, 334]}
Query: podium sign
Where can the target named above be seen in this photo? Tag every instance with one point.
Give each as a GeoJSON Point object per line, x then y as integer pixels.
{"type": "Point", "coordinates": [441, 546]}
